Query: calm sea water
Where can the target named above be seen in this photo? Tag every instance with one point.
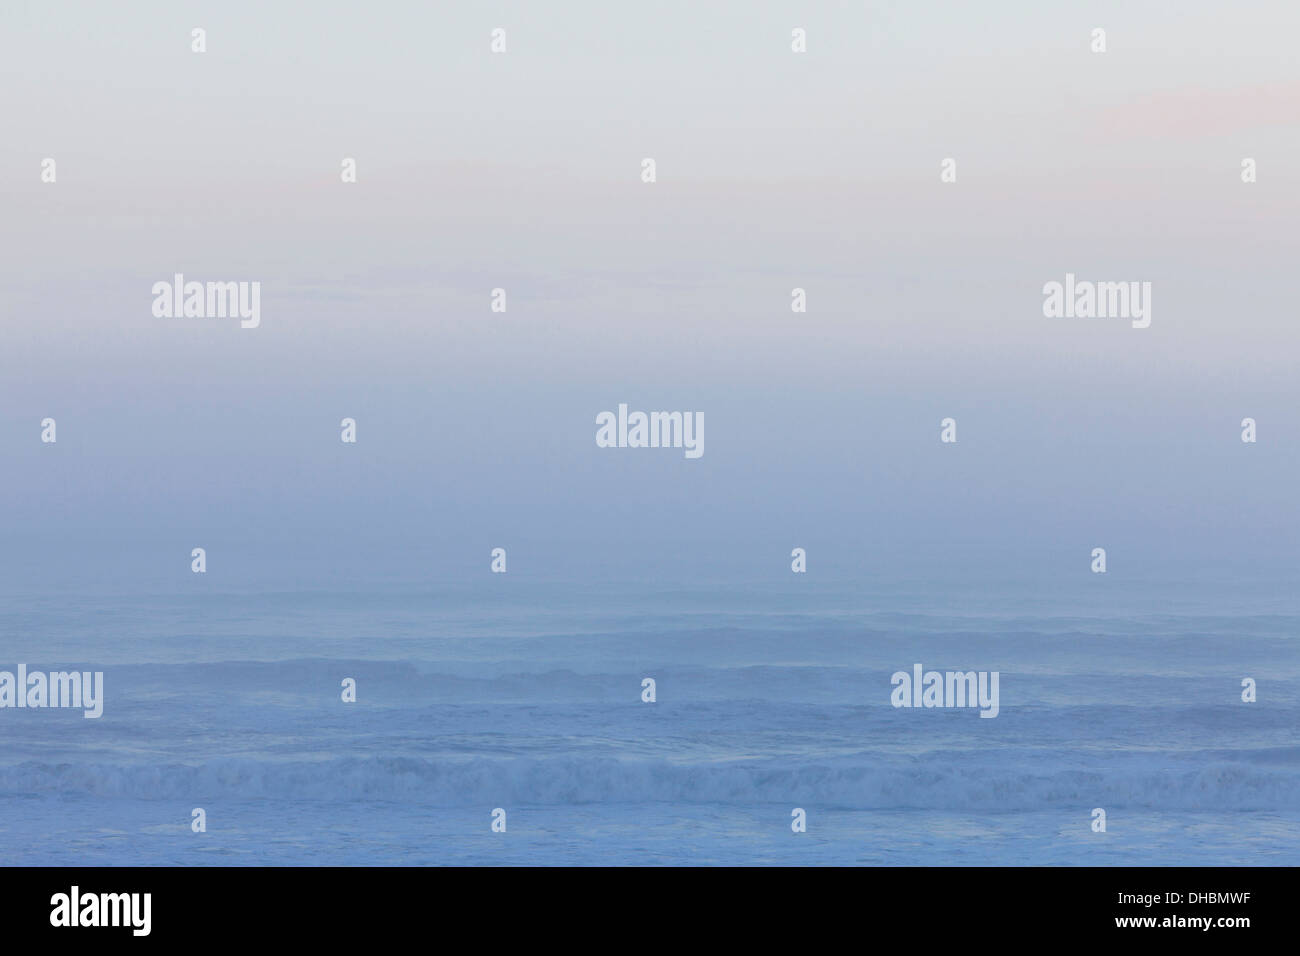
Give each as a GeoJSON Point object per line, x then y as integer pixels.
{"type": "Point", "coordinates": [528, 698]}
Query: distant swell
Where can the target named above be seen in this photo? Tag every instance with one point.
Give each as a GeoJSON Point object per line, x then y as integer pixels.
{"type": "Point", "coordinates": [576, 781]}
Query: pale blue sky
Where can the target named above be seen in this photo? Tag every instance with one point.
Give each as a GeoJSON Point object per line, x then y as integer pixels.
{"type": "Point", "coordinates": [775, 170]}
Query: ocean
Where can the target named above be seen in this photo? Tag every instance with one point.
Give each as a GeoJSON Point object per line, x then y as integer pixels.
{"type": "Point", "coordinates": [526, 696]}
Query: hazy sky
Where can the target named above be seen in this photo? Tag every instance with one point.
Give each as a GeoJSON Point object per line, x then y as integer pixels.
{"type": "Point", "coordinates": [522, 170]}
